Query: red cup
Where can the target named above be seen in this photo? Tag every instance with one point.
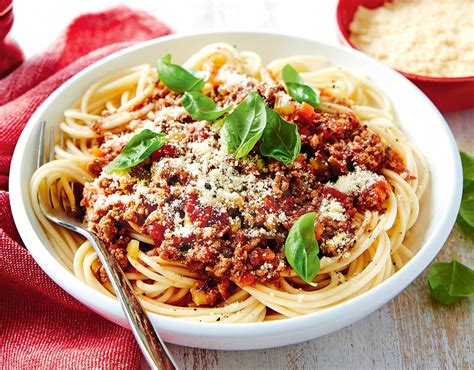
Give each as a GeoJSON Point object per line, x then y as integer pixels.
{"type": "Point", "coordinates": [447, 93]}
{"type": "Point", "coordinates": [11, 55]}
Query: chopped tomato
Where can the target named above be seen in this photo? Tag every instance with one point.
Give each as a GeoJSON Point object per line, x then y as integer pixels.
{"type": "Point", "coordinates": [258, 256]}
{"type": "Point", "coordinates": [97, 152]}
{"type": "Point", "coordinates": [270, 204]}
{"type": "Point", "coordinates": [307, 113]}
{"type": "Point", "coordinates": [157, 233]}
{"type": "Point", "coordinates": [247, 279]}
{"type": "Point", "coordinates": [167, 151]}
{"type": "Point", "coordinates": [204, 216]}
{"type": "Point", "coordinates": [374, 197]}
{"type": "Point", "coordinates": [318, 230]}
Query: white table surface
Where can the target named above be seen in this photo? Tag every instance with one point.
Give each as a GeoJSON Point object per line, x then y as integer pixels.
{"type": "Point", "coordinates": [411, 331]}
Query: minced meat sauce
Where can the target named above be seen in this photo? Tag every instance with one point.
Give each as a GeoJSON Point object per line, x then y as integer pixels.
{"type": "Point", "coordinates": [228, 219]}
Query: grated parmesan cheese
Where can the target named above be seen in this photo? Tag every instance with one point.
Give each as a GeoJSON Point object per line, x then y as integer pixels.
{"type": "Point", "coordinates": [230, 79]}
{"type": "Point", "coordinates": [175, 113]}
{"type": "Point", "coordinates": [427, 37]}
{"type": "Point", "coordinates": [339, 240]}
{"type": "Point", "coordinates": [356, 182]}
{"type": "Point", "coordinates": [266, 266]}
{"type": "Point", "coordinates": [333, 209]}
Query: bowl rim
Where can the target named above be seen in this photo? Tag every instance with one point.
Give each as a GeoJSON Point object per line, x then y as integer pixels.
{"type": "Point", "coordinates": [344, 33]}
{"type": "Point", "coordinates": [109, 307]}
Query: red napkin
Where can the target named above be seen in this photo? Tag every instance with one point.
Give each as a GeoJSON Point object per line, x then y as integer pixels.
{"type": "Point", "coordinates": [40, 325]}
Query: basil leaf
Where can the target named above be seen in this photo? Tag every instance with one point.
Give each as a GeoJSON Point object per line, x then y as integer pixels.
{"type": "Point", "coordinates": [466, 212]}
{"type": "Point", "coordinates": [468, 189]}
{"type": "Point", "coordinates": [280, 139]}
{"type": "Point", "coordinates": [465, 218]}
{"type": "Point", "coordinates": [303, 93]}
{"type": "Point", "coordinates": [289, 74]}
{"type": "Point", "coordinates": [176, 78]}
{"type": "Point", "coordinates": [137, 150]}
{"type": "Point", "coordinates": [449, 282]}
{"type": "Point", "coordinates": [467, 229]}
{"type": "Point", "coordinates": [298, 88]}
{"type": "Point", "coordinates": [245, 125]}
{"type": "Point", "coordinates": [467, 167]}
{"type": "Point", "coordinates": [301, 248]}
{"type": "Point", "coordinates": [200, 107]}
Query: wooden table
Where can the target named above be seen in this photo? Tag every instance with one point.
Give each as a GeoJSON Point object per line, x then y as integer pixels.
{"type": "Point", "coordinates": [412, 331]}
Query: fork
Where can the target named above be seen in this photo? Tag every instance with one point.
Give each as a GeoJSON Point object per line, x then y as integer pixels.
{"type": "Point", "coordinates": [150, 343]}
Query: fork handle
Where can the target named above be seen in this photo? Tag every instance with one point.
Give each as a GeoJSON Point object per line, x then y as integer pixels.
{"type": "Point", "coordinates": [150, 343]}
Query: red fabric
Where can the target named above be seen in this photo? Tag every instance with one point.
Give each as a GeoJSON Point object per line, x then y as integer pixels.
{"type": "Point", "coordinates": [40, 325]}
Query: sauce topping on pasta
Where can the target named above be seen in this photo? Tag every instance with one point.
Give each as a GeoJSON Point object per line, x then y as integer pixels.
{"type": "Point", "coordinates": [227, 219]}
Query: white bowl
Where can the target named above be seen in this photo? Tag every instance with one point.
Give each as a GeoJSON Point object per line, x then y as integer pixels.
{"type": "Point", "coordinates": [418, 117]}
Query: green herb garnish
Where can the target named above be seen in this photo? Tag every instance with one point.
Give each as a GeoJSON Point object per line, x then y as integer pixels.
{"type": "Point", "coordinates": [244, 126]}
{"type": "Point", "coordinates": [176, 78]}
{"type": "Point", "coordinates": [140, 147]}
{"type": "Point", "coordinates": [465, 218]}
{"type": "Point", "coordinates": [298, 89]}
{"type": "Point", "coordinates": [280, 139]}
{"type": "Point", "coordinates": [449, 282]}
{"type": "Point", "coordinates": [301, 248]}
{"type": "Point", "coordinates": [200, 107]}
{"type": "Point", "coordinates": [252, 120]}
{"type": "Point", "coordinates": [467, 161]}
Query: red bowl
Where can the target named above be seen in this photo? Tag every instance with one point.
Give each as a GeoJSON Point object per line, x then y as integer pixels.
{"type": "Point", "coordinates": [447, 93]}
{"type": "Point", "coordinates": [5, 6]}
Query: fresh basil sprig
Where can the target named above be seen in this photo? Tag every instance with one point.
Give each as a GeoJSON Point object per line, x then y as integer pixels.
{"type": "Point", "coordinates": [176, 78]}
{"type": "Point", "coordinates": [449, 282]}
{"type": "Point", "coordinates": [200, 107]}
{"type": "Point", "coordinates": [140, 147]}
{"type": "Point", "coordinates": [302, 248]}
{"type": "Point", "coordinates": [252, 120]}
{"type": "Point", "coordinates": [244, 126]}
{"type": "Point", "coordinates": [465, 218]}
{"type": "Point", "coordinates": [280, 139]}
{"type": "Point", "coordinates": [298, 89]}
{"type": "Point", "coordinates": [467, 167]}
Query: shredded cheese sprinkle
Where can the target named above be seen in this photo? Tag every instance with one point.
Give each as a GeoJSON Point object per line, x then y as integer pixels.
{"type": "Point", "coordinates": [356, 182]}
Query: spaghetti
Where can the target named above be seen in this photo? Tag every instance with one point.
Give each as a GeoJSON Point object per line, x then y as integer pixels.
{"type": "Point", "coordinates": [199, 233]}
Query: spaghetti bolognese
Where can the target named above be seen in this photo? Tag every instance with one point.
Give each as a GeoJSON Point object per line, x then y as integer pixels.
{"type": "Point", "coordinates": [204, 179]}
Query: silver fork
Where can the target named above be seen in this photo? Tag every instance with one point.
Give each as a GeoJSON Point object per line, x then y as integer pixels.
{"type": "Point", "coordinates": [150, 343]}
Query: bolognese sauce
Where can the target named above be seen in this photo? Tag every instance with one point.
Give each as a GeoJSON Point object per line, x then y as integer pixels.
{"type": "Point", "coordinates": [226, 219]}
